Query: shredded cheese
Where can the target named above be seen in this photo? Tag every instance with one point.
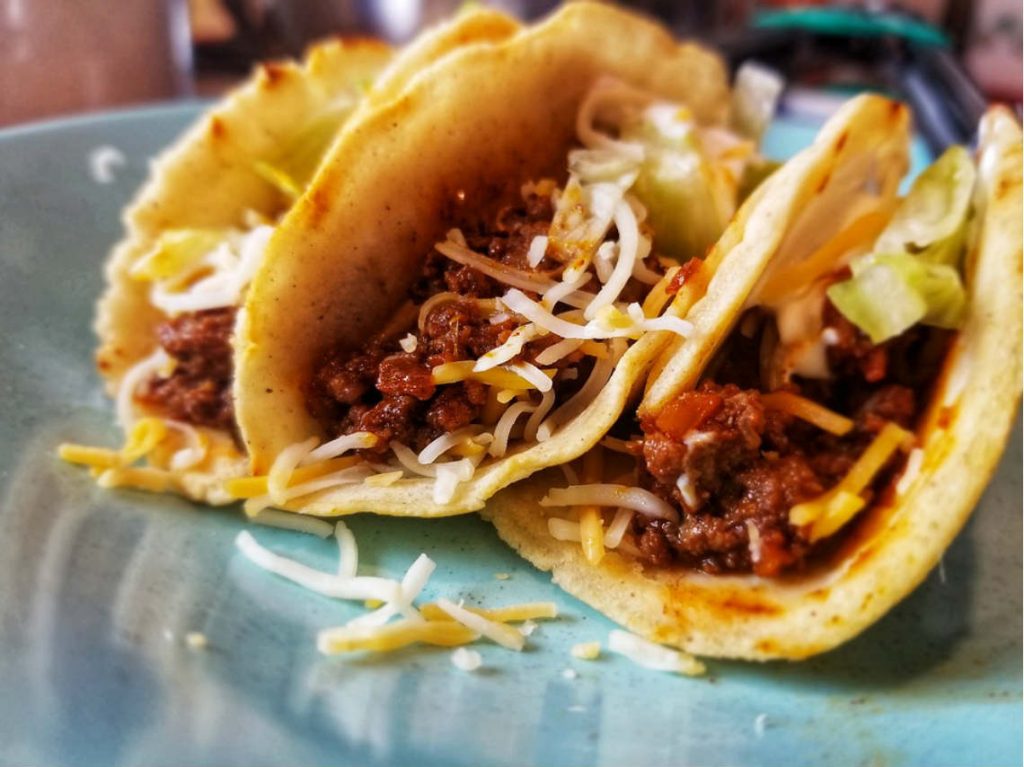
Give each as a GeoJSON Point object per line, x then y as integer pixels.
{"type": "Point", "coordinates": [338, 587]}
{"type": "Point", "coordinates": [635, 498]}
{"type": "Point", "coordinates": [466, 660]}
{"type": "Point", "coordinates": [504, 635]}
{"type": "Point", "coordinates": [358, 440]}
{"type": "Point", "coordinates": [809, 411]}
{"type": "Point", "coordinates": [526, 611]}
{"type": "Point", "coordinates": [829, 512]}
{"type": "Point", "coordinates": [510, 348]}
{"type": "Point", "coordinates": [438, 447]}
{"type": "Point", "coordinates": [140, 478]}
{"type": "Point", "coordinates": [591, 523]}
{"type": "Point", "coordinates": [253, 487]}
{"type": "Point", "coordinates": [86, 455]}
{"type": "Point", "coordinates": [503, 377]}
{"type": "Point", "coordinates": [196, 640]}
{"type": "Point", "coordinates": [586, 650]}
{"type": "Point", "coordinates": [157, 362]}
{"type": "Point", "coordinates": [653, 656]}
{"type": "Point", "coordinates": [297, 522]}
{"type": "Point", "coordinates": [393, 636]}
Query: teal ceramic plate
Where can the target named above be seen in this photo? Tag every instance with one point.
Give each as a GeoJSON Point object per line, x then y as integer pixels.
{"type": "Point", "coordinates": [98, 589]}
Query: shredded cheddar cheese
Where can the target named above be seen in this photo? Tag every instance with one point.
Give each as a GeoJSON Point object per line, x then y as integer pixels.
{"type": "Point", "coordinates": [254, 487]}
{"type": "Point", "coordinates": [830, 511]}
{"type": "Point", "coordinates": [809, 411]}
{"type": "Point", "coordinates": [393, 636]}
{"type": "Point", "coordinates": [526, 611]}
{"type": "Point", "coordinates": [591, 523]}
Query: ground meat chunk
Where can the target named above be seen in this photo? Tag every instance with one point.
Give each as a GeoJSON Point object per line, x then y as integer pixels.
{"type": "Point", "coordinates": [405, 374]}
{"type": "Point", "coordinates": [390, 419]}
{"type": "Point", "coordinates": [198, 391]}
{"type": "Point", "coordinates": [737, 479]}
{"type": "Point", "coordinates": [382, 389]}
{"type": "Point", "coordinates": [456, 406]}
{"type": "Point", "coordinates": [457, 330]}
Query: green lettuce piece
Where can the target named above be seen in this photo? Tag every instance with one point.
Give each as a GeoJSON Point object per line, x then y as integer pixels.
{"type": "Point", "coordinates": [755, 173]}
{"type": "Point", "coordinates": [177, 253]}
{"type": "Point", "coordinates": [292, 167]}
{"type": "Point", "coordinates": [687, 202]}
{"type": "Point", "coordinates": [931, 221]}
{"type": "Point", "coordinates": [755, 94]}
{"type": "Point", "coordinates": [912, 274]}
{"type": "Point", "coordinates": [891, 292]}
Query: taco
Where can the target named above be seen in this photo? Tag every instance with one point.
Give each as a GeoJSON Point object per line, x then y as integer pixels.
{"type": "Point", "coordinates": [477, 280]}
{"type": "Point", "coordinates": [195, 235]}
{"type": "Point", "coordinates": [800, 462]}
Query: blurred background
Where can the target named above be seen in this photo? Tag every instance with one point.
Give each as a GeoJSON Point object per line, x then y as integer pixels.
{"type": "Point", "coordinates": [61, 57]}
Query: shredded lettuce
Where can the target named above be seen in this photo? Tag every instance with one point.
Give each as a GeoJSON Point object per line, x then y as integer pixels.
{"type": "Point", "coordinates": [890, 292]}
{"type": "Point", "coordinates": [756, 91]}
{"type": "Point", "coordinates": [292, 167]}
{"type": "Point", "coordinates": [688, 199]}
{"type": "Point", "coordinates": [177, 254]}
{"type": "Point", "coordinates": [911, 274]}
{"type": "Point", "coordinates": [931, 222]}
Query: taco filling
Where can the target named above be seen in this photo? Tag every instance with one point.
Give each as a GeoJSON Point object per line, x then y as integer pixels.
{"type": "Point", "coordinates": [197, 277]}
{"type": "Point", "coordinates": [808, 410]}
{"type": "Point", "coordinates": [518, 318]}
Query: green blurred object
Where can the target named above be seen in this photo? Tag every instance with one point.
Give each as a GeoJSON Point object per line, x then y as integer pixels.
{"type": "Point", "coordinates": [852, 22]}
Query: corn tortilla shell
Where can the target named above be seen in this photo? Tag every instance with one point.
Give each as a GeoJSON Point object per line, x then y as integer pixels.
{"type": "Point", "coordinates": [483, 120]}
{"type": "Point", "coordinates": [896, 543]}
{"type": "Point", "coordinates": [207, 179]}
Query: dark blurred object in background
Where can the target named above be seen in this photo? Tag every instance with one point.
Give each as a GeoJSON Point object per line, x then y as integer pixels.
{"type": "Point", "coordinates": [231, 34]}
{"type": "Point", "coordinates": [62, 56]}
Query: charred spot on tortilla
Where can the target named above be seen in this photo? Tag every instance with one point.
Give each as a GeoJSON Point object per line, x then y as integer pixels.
{"type": "Point", "coordinates": [218, 129]}
{"type": "Point", "coordinates": [272, 73]}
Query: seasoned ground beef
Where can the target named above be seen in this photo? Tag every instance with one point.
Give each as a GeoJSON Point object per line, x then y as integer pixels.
{"type": "Point", "coordinates": [390, 392]}
{"type": "Point", "coordinates": [747, 465]}
{"type": "Point", "coordinates": [199, 389]}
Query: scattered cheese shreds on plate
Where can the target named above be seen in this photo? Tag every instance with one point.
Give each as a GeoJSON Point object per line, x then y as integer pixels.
{"type": "Point", "coordinates": [653, 656]}
{"type": "Point", "coordinates": [196, 640]}
{"type": "Point", "coordinates": [466, 660]}
{"type": "Point", "coordinates": [506, 636]}
{"type": "Point", "coordinates": [586, 650]}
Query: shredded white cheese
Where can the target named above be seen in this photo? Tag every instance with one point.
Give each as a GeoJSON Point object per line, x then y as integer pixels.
{"type": "Point", "coordinates": [348, 552]}
{"type": "Point", "coordinates": [408, 343]}
{"type": "Point", "coordinates": [438, 447]}
{"type": "Point", "coordinates": [156, 363]}
{"type": "Point", "coordinates": [288, 521]}
{"type": "Point", "coordinates": [102, 162]}
{"type": "Point", "coordinates": [232, 264]}
{"type": "Point", "coordinates": [359, 588]}
{"type": "Point", "coordinates": [506, 636]}
{"type": "Point", "coordinates": [653, 656]}
{"type": "Point", "coordinates": [538, 246]}
{"type": "Point", "coordinates": [358, 440]}
{"type": "Point", "coordinates": [635, 498]}
{"type": "Point", "coordinates": [911, 471]}
{"type": "Point", "coordinates": [686, 490]}
{"type": "Point", "coordinates": [465, 659]}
